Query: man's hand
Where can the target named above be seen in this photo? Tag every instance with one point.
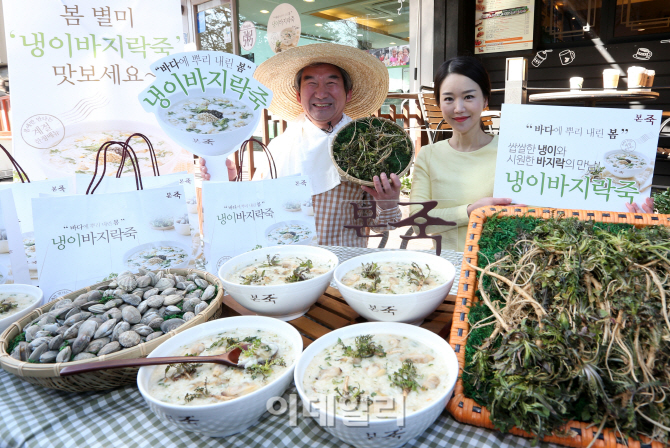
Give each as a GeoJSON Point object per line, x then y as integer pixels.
{"type": "Point", "coordinates": [385, 193]}
{"type": "Point", "coordinates": [646, 207]}
{"type": "Point", "coordinates": [232, 171]}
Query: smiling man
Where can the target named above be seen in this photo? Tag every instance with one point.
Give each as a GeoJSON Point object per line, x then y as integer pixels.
{"type": "Point", "coordinates": [318, 88]}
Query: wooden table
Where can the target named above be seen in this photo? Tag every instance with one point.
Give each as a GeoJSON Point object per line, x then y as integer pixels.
{"type": "Point", "coordinates": [591, 97]}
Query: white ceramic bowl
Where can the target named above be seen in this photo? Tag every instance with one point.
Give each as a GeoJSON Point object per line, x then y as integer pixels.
{"type": "Point", "coordinates": [306, 240]}
{"type": "Point", "coordinates": [624, 172]}
{"type": "Point", "coordinates": [289, 301]}
{"type": "Point", "coordinates": [222, 143]}
{"type": "Point", "coordinates": [25, 289]}
{"type": "Point", "coordinates": [414, 424]}
{"type": "Point", "coordinates": [145, 246]}
{"type": "Point", "coordinates": [4, 246]}
{"type": "Point", "coordinates": [409, 308]}
{"type": "Point", "coordinates": [230, 417]}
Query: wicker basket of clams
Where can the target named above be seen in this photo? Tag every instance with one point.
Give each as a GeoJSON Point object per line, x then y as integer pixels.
{"type": "Point", "coordinates": [126, 317]}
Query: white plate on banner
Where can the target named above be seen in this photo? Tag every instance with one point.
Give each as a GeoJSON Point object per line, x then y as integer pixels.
{"type": "Point", "coordinates": [145, 247]}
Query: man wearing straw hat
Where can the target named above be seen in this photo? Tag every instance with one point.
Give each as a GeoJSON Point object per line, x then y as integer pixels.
{"type": "Point", "coordinates": [319, 88]}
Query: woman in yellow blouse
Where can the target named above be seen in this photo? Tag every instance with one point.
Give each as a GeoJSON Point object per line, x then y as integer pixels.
{"type": "Point", "coordinates": [458, 172]}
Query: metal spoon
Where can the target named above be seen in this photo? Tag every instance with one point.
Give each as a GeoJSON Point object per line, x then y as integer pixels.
{"type": "Point", "coordinates": [230, 359]}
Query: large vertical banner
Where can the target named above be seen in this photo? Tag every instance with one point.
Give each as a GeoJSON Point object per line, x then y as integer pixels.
{"type": "Point", "coordinates": [76, 68]}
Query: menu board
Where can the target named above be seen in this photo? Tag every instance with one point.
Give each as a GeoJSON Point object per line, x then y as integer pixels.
{"type": "Point", "coordinates": [503, 25]}
{"type": "Point", "coordinates": [576, 157]}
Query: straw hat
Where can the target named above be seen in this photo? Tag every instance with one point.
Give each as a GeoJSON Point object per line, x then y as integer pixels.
{"type": "Point", "coordinates": [368, 74]}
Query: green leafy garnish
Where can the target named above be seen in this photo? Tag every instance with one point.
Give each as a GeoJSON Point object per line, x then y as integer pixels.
{"type": "Point", "coordinates": [406, 378]}
{"type": "Point", "coordinates": [274, 261]}
{"type": "Point", "coordinates": [365, 348]}
{"type": "Point", "coordinates": [253, 278]}
{"type": "Point", "coordinates": [265, 369]}
{"type": "Point", "coordinates": [300, 273]}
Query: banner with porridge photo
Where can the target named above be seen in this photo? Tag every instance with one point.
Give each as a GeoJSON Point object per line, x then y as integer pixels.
{"type": "Point", "coordinates": [76, 70]}
{"type": "Point", "coordinates": [243, 216]}
{"type": "Point", "coordinates": [85, 239]}
{"type": "Point", "coordinates": [576, 157]}
{"type": "Point", "coordinates": [13, 262]}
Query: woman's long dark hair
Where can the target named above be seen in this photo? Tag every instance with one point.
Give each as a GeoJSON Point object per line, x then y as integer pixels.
{"type": "Point", "coordinates": [467, 66]}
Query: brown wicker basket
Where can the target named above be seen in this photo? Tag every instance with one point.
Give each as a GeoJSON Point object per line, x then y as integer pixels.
{"type": "Point", "coordinates": [465, 409]}
{"type": "Point", "coordinates": [48, 375]}
{"type": "Point", "coordinates": [366, 182]}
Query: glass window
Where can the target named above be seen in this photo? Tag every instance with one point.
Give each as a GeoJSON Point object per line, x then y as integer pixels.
{"type": "Point", "coordinates": [214, 26]}
{"type": "Point", "coordinates": [382, 28]}
{"type": "Point", "coordinates": [570, 20]}
{"type": "Point", "coordinates": [638, 17]}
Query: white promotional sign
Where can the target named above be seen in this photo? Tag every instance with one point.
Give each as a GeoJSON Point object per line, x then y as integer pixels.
{"type": "Point", "coordinates": [207, 101]}
{"type": "Point", "coordinates": [22, 195]}
{"type": "Point", "coordinates": [576, 157]}
{"type": "Point", "coordinates": [84, 239]}
{"type": "Point", "coordinates": [242, 216]}
{"type": "Point", "coordinates": [13, 262]}
{"type": "Point", "coordinates": [248, 35]}
{"type": "Point", "coordinates": [283, 28]}
{"type": "Point", "coordinates": [76, 70]}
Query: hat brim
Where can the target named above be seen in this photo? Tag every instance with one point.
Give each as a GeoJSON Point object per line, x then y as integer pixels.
{"type": "Point", "coordinates": [369, 77]}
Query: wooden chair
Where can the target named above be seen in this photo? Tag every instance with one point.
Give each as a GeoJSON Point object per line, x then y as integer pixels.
{"type": "Point", "coordinates": [436, 127]}
{"type": "Point", "coordinates": [664, 123]}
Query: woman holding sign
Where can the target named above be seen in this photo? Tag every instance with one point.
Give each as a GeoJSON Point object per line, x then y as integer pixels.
{"type": "Point", "coordinates": [460, 172]}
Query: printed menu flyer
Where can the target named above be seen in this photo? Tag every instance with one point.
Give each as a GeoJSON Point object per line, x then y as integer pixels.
{"type": "Point", "coordinates": [503, 25]}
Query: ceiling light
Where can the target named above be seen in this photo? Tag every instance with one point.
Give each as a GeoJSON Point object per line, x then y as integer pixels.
{"type": "Point", "coordinates": [359, 35]}
{"type": "Point", "coordinates": [265, 11]}
{"type": "Point", "coordinates": [318, 24]}
{"type": "Point", "coordinates": [573, 18]}
{"type": "Point", "coordinates": [389, 20]}
{"type": "Point", "coordinates": [641, 29]}
{"type": "Point", "coordinates": [391, 43]}
{"type": "Point", "coordinates": [309, 1]}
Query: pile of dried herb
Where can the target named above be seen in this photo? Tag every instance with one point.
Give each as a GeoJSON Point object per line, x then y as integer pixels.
{"type": "Point", "coordinates": [572, 324]}
{"type": "Point", "coordinates": [369, 146]}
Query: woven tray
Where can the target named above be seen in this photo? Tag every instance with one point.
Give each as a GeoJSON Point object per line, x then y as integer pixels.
{"type": "Point", "coordinates": [48, 375]}
{"type": "Point", "coordinates": [331, 312]}
{"type": "Point", "coordinates": [465, 409]}
{"type": "Point", "coordinates": [366, 182]}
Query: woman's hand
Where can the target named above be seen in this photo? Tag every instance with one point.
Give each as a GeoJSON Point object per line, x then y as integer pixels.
{"type": "Point", "coordinates": [385, 193]}
{"type": "Point", "coordinates": [232, 171]}
{"type": "Point", "coordinates": [483, 202]}
{"type": "Point", "coordinates": [646, 207]}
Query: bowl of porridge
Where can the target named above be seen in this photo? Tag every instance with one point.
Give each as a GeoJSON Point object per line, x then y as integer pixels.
{"type": "Point", "coordinates": [217, 400]}
{"type": "Point", "coordinates": [395, 286]}
{"type": "Point", "coordinates": [157, 255]}
{"type": "Point", "coordinates": [625, 163]}
{"type": "Point", "coordinates": [280, 281]}
{"type": "Point", "coordinates": [16, 301]}
{"type": "Point", "coordinates": [209, 123]}
{"type": "Point", "coordinates": [377, 384]}
{"type": "Point", "coordinates": [290, 232]}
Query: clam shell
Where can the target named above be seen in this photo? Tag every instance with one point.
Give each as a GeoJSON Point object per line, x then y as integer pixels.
{"type": "Point", "coordinates": [114, 313]}
{"type": "Point", "coordinates": [94, 296]}
{"type": "Point", "coordinates": [172, 300]}
{"type": "Point", "coordinates": [155, 301]}
{"type": "Point", "coordinates": [179, 278]}
{"type": "Point", "coordinates": [150, 293]}
{"type": "Point", "coordinates": [142, 307]}
{"type": "Point", "coordinates": [43, 334]}
{"type": "Point", "coordinates": [201, 283]}
{"type": "Point", "coordinates": [189, 304]}
{"type": "Point", "coordinates": [47, 319]}
{"type": "Point", "coordinates": [190, 286]}
{"type": "Point", "coordinates": [143, 281]}
{"type": "Point", "coordinates": [131, 299]}
{"type": "Point", "coordinates": [164, 283]}
{"type": "Point", "coordinates": [112, 285]}
{"type": "Point", "coordinates": [209, 292]}
{"type": "Point", "coordinates": [96, 345]}
{"type": "Point", "coordinates": [169, 291]}
{"type": "Point", "coordinates": [120, 328]}
{"type": "Point", "coordinates": [84, 355]}
{"type": "Point", "coordinates": [62, 330]}
{"type": "Point", "coordinates": [197, 293]}
{"type": "Point", "coordinates": [142, 271]}
{"type": "Point", "coordinates": [105, 329]}
{"type": "Point", "coordinates": [192, 276]}
{"type": "Point", "coordinates": [171, 309]}
{"type": "Point", "coordinates": [113, 304]}
{"type": "Point", "coordinates": [129, 339]}
{"type": "Point", "coordinates": [37, 352]}
{"type": "Point", "coordinates": [127, 283]}
{"type": "Point", "coordinates": [149, 316]}
{"type": "Point", "coordinates": [171, 324]}
{"type": "Point", "coordinates": [200, 307]}
{"type": "Point", "coordinates": [97, 309]}
{"type": "Point", "coordinates": [39, 341]}
{"type": "Point", "coordinates": [153, 277]}
{"type": "Point", "coordinates": [118, 292]}
{"type": "Point", "coordinates": [49, 357]}
{"type": "Point", "coordinates": [64, 355]}
{"type": "Point", "coordinates": [112, 347]}
{"type": "Point", "coordinates": [188, 316]}
{"type": "Point", "coordinates": [131, 315]}
{"type": "Point", "coordinates": [61, 304]}
{"type": "Point", "coordinates": [156, 322]}
{"type": "Point", "coordinates": [88, 328]}
{"type": "Point", "coordinates": [23, 351]}
{"type": "Point", "coordinates": [31, 332]}
{"type": "Point", "coordinates": [80, 300]}
{"type": "Point", "coordinates": [70, 313]}
{"type": "Point", "coordinates": [180, 285]}
{"type": "Point", "coordinates": [56, 342]}
{"type": "Point", "coordinates": [154, 335]}
{"type": "Point", "coordinates": [144, 330]}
